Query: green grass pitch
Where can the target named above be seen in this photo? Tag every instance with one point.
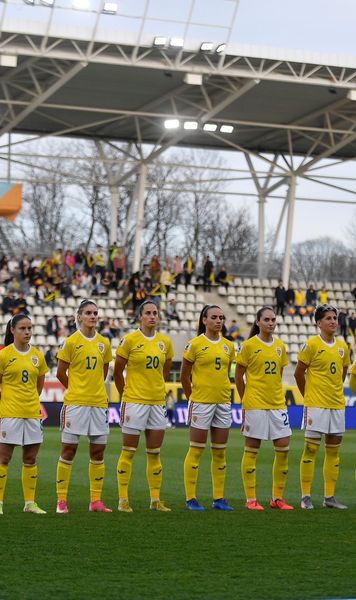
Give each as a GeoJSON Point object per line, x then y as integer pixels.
{"type": "Point", "coordinates": [274, 555]}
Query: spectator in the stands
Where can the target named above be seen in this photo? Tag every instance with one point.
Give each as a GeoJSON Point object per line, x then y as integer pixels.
{"type": "Point", "coordinates": [21, 304]}
{"type": "Point", "coordinates": [171, 311]}
{"type": "Point", "coordinates": [24, 266]}
{"type": "Point", "coordinates": [311, 300]}
{"type": "Point", "coordinates": [119, 263]}
{"type": "Point", "coordinates": [342, 322]}
{"type": "Point", "coordinates": [280, 296]}
{"type": "Point", "coordinates": [8, 304]}
{"type": "Point", "coordinates": [104, 329]}
{"type": "Point", "coordinates": [352, 323]}
{"type": "Point", "coordinates": [234, 332]}
{"type": "Point", "coordinates": [13, 265]}
{"type": "Point", "coordinates": [4, 274]}
{"type": "Point", "coordinates": [323, 296]}
{"type": "Point", "coordinates": [65, 288]}
{"type": "Point", "coordinates": [100, 260]}
{"type": "Point", "coordinates": [222, 278]}
{"type": "Point", "coordinates": [68, 263]}
{"type": "Point", "coordinates": [290, 296]}
{"type": "Point", "coordinates": [299, 301]}
{"type": "Point", "coordinates": [188, 270]}
{"type": "Point", "coordinates": [50, 358]}
{"type": "Point", "coordinates": [177, 270]}
{"type": "Point", "coordinates": [155, 269]}
{"type": "Point", "coordinates": [53, 326]}
{"type": "Point", "coordinates": [208, 273]}
{"type": "Point", "coordinates": [71, 325]}
{"type": "Point", "coordinates": [165, 280]}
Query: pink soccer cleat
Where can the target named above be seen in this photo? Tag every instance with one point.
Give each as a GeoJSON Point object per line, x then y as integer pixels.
{"type": "Point", "coordinates": [98, 506]}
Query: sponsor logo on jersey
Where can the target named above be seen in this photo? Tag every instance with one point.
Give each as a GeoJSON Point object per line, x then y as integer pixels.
{"type": "Point", "coordinates": [79, 346]}
{"type": "Point", "coordinates": [226, 349]}
{"type": "Point", "coordinates": [139, 346]}
{"type": "Point", "coordinates": [186, 347]}
{"type": "Point", "coordinates": [11, 360]}
{"type": "Point", "coordinates": [34, 361]}
{"type": "Point", "coordinates": [279, 351]}
{"type": "Point", "coordinates": [257, 351]}
{"type": "Point", "coordinates": [122, 341]}
{"type": "Point", "coordinates": [303, 347]}
{"type": "Point", "coordinates": [321, 351]}
{"type": "Point", "coordinates": [161, 346]}
{"type": "Point", "coordinates": [101, 347]}
{"type": "Point", "coordinates": [341, 352]}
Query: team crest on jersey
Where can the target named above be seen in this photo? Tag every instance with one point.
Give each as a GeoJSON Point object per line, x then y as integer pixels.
{"type": "Point", "coordinates": [161, 346]}
{"type": "Point", "coordinates": [101, 347]}
{"type": "Point", "coordinates": [341, 352]}
{"type": "Point", "coordinates": [279, 351]}
{"type": "Point", "coordinates": [226, 349]}
{"type": "Point", "coordinates": [34, 361]}
{"type": "Point", "coordinates": [122, 341]}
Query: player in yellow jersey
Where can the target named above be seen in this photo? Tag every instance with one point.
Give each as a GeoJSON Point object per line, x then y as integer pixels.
{"type": "Point", "coordinates": [320, 373]}
{"type": "Point", "coordinates": [146, 354]}
{"type": "Point", "coordinates": [205, 379]}
{"type": "Point", "coordinates": [22, 374]}
{"type": "Point", "coordinates": [260, 363]}
{"type": "Point", "coordinates": [83, 362]}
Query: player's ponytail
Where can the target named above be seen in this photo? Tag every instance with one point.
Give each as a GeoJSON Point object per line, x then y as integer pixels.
{"type": "Point", "coordinates": [255, 328]}
{"type": "Point", "coordinates": [9, 336]}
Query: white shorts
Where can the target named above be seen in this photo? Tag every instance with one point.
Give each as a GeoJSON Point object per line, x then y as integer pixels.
{"type": "Point", "coordinates": [135, 418]}
{"type": "Point", "coordinates": [204, 416]}
{"type": "Point", "coordinates": [84, 420]}
{"type": "Point", "coordinates": [265, 424]}
{"type": "Point", "coordinates": [323, 420]}
{"type": "Point", "coordinates": [21, 432]}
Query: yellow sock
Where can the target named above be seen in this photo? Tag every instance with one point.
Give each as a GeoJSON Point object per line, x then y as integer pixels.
{"type": "Point", "coordinates": [218, 469]}
{"type": "Point", "coordinates": [3, 480]}
{"type": "Point", "coordinates": [124, 470]}
{"type": "Point", "coordinates": [307, 464]}
{"type": "Point", "coordinates": [248, 472]}
{"type": "Point", "coordinates": [29, 481]}
{"type": "Point", "coordinates": [64, 470]}
{"type": "Point", "coordinates": [331, 468]}
{"type": "Point", "coordinates": [191, 468]}
{"type": "Point", "coordinates": [154, 472]}
{"type": "Point", "coordinates": [96, 479]}
{"type": "Point", "coordinates": [279, 471]}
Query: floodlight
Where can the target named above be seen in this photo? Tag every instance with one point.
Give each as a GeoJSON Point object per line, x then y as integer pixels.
{"type": "Point", "coordinates": [176, 42]}
{"type": "Point", "coordinates": [351, 95]}
{"type": "Point", "coordinates": [110, 8]}
{"type": "Point", "coordinates": [193, 79]}
{"type": "Point", "coordinates": [160, 41]}
{"type": "Point", "coordinates": [206, 46]}
{"type": "Point", "coordinates": [8, 60]}
{"type": "Point", "coordinates": [190, 125]}
{"type": "Point", "coordinates": [220, 48]}
{"type": "Point", "coordinates": [81, 4]}
{"type": "Point", "coordinates": [171, 124]}
{"type": "Point", "coordinates": [210, 127]}
{"type": "Point", "coordinates": [226, 129]}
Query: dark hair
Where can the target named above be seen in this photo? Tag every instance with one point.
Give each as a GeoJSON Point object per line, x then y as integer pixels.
{"type": "Point", "coordinates": [143, 304]}
{"type": "Point", "coordinates": [255, 328]}
{"type": "Point", "coordinates": [203, 314]}
{"type": "Point", "coordinates": [322, 309]}
{"type": "Point", "coordinates": [9, 336]}
{"type": "Point", "coordinates": [83, 304]}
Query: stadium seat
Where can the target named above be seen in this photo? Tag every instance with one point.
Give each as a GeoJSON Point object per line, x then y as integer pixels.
{"type": "Point", "coordinates": [231, 300]}
{"type": "Point", "coordinates": [222, 290]}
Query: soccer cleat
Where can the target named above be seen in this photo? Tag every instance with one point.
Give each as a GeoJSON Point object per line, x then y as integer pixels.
{"type": "Point", "coordinates": [253, 505]}
{"type": "Point", "coordinates": [98, 506]}
{"type": "Point", "coordinates": [158, 505]}
{"type": "Point", "coordinates": [281, 504]}
{"type": "Point", "coordinates": [124, 506]}
{"type": "Point", "coordinates": [33, 507]}
{"type": "Point", "coordinates": [332, 503]}
{"type": "Point", "coordinates": [62, 507]}
{"type": "Point", "coordinates": [193, 504]}
{"type": "Point", "coordinates": [306, 503]}
{"type": "Point", "coordinates": [221, 504]}
{"type": "Point", "coordinates": [1, 508]}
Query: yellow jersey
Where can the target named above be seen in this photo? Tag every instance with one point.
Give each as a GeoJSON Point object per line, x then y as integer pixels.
{"type": "Point", "coordinates": [264, 363]}
{"type": "Point", "coordinates": [144, 383]}
{"type": "Point", "coordinates": [19, 372]}
{"type": "Point", "coordinates": [210, 371]}
{"type": "Point", "coordinates": [86, 358]}
{"type": "Point", "coordinates": [324, 387]}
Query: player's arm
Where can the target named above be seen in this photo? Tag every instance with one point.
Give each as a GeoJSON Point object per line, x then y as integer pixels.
{"type": "Point", "coordinates": [120, 364]}
{"type": "Point", "coordinates": [239, 379]}
{"type": "Point", "coordinates": [62, 372]}
{"type": "Point", "coordinates": [106, 369]}
{"type": "Point", "coordinates": [352, 384]}
{"type": "Point", "coordinates": [40, 384]}
{"type": "Point", "coordinates": [185, 374]}
{"type": "Point", "coordinates": [299, 376]}
{"type": "Point", "coordinates": [166, 368]}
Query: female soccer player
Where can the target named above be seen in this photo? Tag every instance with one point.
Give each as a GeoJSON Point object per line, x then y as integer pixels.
{"type": "Point", "coordinates": [260, 361]}
{"type": "Point", "coordinates": [320, 373]}
{"type": "Point", "coordinates": [205, 380]}
{"type": "Point", "coordinates": [22, 374]}
{"type": "Point", "coordinates": [83, 362]}
{"type": "Point", "coordinates": [147, 356]}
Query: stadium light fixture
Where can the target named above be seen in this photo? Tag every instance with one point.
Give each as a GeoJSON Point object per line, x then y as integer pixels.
{"type": "Point", "coordinates": [193, 79]}
{"type": "Point", "coordinates": [8, 60]}
{"type": "Point", "coordinates": [220, 48]}
{"type": "Point", "coordinates": [160, 41]}
{"type": "Point", "coordinates": [171, 124]}
{"type": "Point", "coordinates": [206, 46]}
{"type": "Point", "coordinates": [110, 8]}
{"type": "Point", "coordinates": [176, 42]}
{"type": "Point", "coordinates": [210, 127]}
{"type": "Point", "coordinates": [30, 2]}
{"type": "Point", "coordinates": [226, 129]}
{"type": "Point", "coordinates": [81, 4]}
{"type": "Point", "coordinates": [190, 125]}
{"type": "Point", "coordinates": [351, 95]}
